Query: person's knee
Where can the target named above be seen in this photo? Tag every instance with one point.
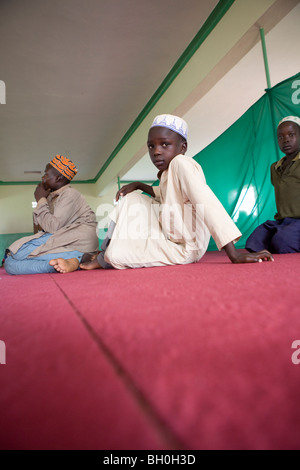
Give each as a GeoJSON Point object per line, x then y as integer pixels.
{"type": "Point", "coordinates": [136, 198]}
{"type": "Point", "coordinates": [9, 265]}
{"type": "Point", "coordinates": [258, 239]}
{"type": "Point", "coordinates": [283, 242]}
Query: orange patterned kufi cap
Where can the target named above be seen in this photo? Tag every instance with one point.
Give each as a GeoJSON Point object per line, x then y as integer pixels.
{"type": "Point", "coordinates": [65, 166]}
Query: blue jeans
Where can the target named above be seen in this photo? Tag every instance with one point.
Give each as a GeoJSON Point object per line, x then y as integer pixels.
{"type": "Point", "coordinates": [19, 263]}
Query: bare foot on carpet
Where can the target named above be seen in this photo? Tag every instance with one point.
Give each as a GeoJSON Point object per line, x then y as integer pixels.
{"type": "Point", "coordinates": [93, 264]}
{"type": "Point", "coordinates": [65, 265]}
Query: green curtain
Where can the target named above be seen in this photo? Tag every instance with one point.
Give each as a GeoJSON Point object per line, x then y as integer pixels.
{"type": "Point", "coordinates": [237, 164]}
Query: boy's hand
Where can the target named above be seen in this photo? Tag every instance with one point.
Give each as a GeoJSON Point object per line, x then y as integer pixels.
{"type": "Point", "coordinates": [236, 257]}
{"type": "Point", "coordinates": [258, 256]}
{"type": "Point", "coordinates": [128, 188]}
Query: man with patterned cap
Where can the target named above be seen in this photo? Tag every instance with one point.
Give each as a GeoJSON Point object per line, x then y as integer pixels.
{"type": "Point", "coordinates": [282, 235]}
{"type": "Point", "coordinates": [174, 224]}
{"type": "Point", "coordinates": [67, 224]}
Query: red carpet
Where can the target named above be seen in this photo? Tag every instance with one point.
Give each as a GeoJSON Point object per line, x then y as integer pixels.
{"type": "Point", "coordinates": [183, 357]}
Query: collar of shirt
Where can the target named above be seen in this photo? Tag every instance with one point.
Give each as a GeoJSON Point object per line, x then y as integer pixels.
{"type": "Point", "coordinates": [51, 197]}
{"type": "Point", "coordinates": [57, 192]}
{"type": "Point", "coordinates": [280, 162]}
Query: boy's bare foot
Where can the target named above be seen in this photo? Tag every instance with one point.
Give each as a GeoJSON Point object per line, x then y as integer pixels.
{"type": "Point", "coordinates": [65, 265]}
{"type": "Point", "coordinates": [93, 264]}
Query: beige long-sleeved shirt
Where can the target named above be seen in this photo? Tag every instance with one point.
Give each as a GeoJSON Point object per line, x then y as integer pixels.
{"type": "Point", "coordinates": [66, 215]}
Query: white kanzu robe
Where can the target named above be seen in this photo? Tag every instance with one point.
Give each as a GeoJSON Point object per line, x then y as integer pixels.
{"type": "Point", "coordinates": [172, 228]}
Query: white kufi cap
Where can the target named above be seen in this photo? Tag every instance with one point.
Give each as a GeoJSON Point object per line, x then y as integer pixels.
{"type": "Point", "coordinates": [294, 119]}
{"type": "Point", "coordinates": [174, 123]}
